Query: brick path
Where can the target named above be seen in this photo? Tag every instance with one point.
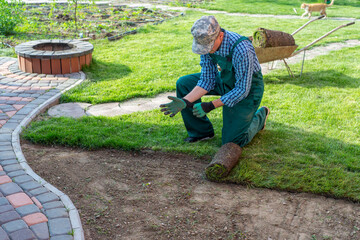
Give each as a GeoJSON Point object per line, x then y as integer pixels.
{"type": "Point", "coordinates": [30, 208]}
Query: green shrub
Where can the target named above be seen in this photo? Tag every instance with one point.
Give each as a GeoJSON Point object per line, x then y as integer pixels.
{"type": "Point", "coordinates": [10, 15]}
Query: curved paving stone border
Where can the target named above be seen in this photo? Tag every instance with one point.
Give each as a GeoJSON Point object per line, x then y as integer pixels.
{"type": "Point", "coordinates": [30, 208]}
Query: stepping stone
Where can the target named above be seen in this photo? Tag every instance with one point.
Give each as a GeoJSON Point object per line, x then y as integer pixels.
{"type": "Point", "coordinates": [138, 105]}
{"type": "Point", "coordinates": [162, 98]}
{"type": "Point", "coordinates": [107, 109]}
{"type": "Point", "coordinates": [74, 110]}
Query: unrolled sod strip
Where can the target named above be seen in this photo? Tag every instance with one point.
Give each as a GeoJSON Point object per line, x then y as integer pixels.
{"type": "Point", "coordinates": [263, 38]}
{"type": "Point", "coordinates": [224, 160]}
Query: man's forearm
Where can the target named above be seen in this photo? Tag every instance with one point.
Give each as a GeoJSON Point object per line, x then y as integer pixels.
{"type": "Point", "coordinates": [195, 94]}
{"type": "Point", "coordinates": [218, 103]}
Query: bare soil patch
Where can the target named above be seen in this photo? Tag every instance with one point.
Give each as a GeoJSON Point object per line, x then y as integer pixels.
{"type": "Point", "coordinates": [85, 20]}
{"type": "Point", "coordinates": [153, 195]}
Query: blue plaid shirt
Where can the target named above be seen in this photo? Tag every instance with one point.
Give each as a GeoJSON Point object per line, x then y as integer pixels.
{"type": "Point", "coordinates": [244, 62]}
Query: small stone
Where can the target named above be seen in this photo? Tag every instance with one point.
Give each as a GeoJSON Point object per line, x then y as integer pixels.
{"type": "Point", "coordinates": [6, 155]}
{"type": "Point", "coordinates": [38, 191]}
{"type": "Point", "coordinates": [35, 218]}
{"type": "Point", "coordinates": [8, 217]}
{"type": "Point", "coordinates": [27, 209]}
{"type": "Point", "coordinates": [28, 186]}
{"type": "Point", "coordinates": [10, 188]}
{"type": "Point", "coordinates": [12, 167]}
{"type": "Point", "coordinates": [51, 205]}
{"type": "Point", "coordinates": [41, 231]}
{"type": "Point", "coordinates": [3, 235]}
{"type": "Point", "coordinates": [47, 197]}
{"type": "Point", "coordinates": [4, 201]}
{"type": "Point", "coordinates": [14, 226]}
{"type": "Point", "coordinates": [23, 234]}
{"type": "Point", "coordinates": [5, 179]}
{"type": "Point", "coordinates": [16, 173]}
{"type": "Point", "coordinates": [8, 162]}
{"type": "Point", "coordinates": [6, 208]}
{"type": "Point", "coordinates": [57, 213]}
{"type": "Point", "coordinates": [19, 199]}
{"type": "Point", "coordinates": [59, 226]}
{"type": "Point", "coordinates": [22, 179]}
{"type": "Point", "coordinates": [62, 237]}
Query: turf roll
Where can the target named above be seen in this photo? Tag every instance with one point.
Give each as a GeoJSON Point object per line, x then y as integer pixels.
{"type": "Point", "coordinates": [263, 38]}
{"type": "Point", "coordinates": [224, 160]}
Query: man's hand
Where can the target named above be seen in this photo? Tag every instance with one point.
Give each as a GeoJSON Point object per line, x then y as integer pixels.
{"type": "Point", "coordinates": [201, 109]}
{"type": "Point", "coordinates": [173, 107]}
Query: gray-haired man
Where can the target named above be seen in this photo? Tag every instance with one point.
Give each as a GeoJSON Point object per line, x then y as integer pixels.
{"type": "Point", "coordinates": [240, 85]}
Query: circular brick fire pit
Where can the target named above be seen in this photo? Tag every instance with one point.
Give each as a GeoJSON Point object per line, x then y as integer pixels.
{"type": "Point", "coordinates": [54, 56]}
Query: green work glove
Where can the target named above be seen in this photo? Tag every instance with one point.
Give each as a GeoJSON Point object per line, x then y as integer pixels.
{"type": "Point", "coordinates": [201, 109]}
{"type": "Point", "coordinates": [173, 107]}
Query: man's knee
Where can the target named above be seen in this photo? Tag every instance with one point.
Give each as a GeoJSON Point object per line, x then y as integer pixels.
{"type": "Point", "coordinates": [241, 140]}
{"type": "Point", "coordinates": [181, 89]}
{"type": "Point", "coordinates": [181, 82]}
{"type": "Point", "coordinates": [185, 84]}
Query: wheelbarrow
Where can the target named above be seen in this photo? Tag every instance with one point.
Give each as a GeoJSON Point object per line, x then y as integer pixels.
{"type": "Point", "coordinates": [270, 54]}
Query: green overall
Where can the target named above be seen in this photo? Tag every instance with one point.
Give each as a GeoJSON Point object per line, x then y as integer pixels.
{"type": "Point", "coordinates": [240, 122]}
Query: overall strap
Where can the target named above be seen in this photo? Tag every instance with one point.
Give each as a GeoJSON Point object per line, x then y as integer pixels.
{"type": "Point", "coordinates": [213, 58]}
{"type": "Point", "coordinates": [236, 43]}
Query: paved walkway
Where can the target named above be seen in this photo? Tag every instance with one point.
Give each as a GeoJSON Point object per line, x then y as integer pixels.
{"type": "Point", "coordinates": [30, 208]}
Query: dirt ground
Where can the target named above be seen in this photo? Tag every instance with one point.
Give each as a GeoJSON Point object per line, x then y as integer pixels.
{"type": "Point", "coordinates": [153, 195]}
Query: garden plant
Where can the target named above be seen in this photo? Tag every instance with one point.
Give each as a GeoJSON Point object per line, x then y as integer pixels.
{"type": "Point", "coordinates": [10, 15]}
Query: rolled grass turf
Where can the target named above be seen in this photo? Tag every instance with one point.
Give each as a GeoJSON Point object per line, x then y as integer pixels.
{"type": "Point", "coordinates": [263, 38]}
{"type": "Point", "coordinates": [224, 160]}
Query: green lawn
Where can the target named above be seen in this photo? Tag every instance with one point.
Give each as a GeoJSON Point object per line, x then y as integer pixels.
{"type": "Point", "coordinates": [344, 8]}
{"type": "Point", "coordinates": [149, 63]}
{"type": "Point", "coordinates": [7, 52]}
{"type": "Point", "coordinates": [312, 140]}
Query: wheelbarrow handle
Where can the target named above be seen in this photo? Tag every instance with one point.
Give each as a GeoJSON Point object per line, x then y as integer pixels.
{"type": "Point", "coordinates": [351, 23]}
{"type": "Point", "coordinates": [327, 34]}
{"type": "Point", "coordinates": [322, 16]}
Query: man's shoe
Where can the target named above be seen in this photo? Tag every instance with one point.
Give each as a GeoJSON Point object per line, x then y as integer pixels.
{"type": "Point", "coordinates": [267, 110]}
{"type": "Point", "coordinates": [196, 139]}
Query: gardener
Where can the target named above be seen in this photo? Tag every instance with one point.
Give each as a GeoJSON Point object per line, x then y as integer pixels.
{"type": "Point", "coordinates": [239, 84]}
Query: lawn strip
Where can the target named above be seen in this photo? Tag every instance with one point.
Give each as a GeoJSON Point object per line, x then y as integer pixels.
{"type": "Point", "coordinates": [310, 143]}
{"type": "Point", "coordinates": [346, 8]}
{"type": "Point", "coordinates": [150, 62]}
